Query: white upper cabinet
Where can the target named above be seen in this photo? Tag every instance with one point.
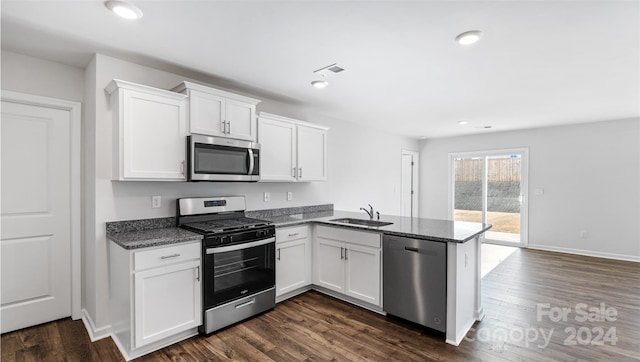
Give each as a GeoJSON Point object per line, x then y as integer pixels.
{"type": "Point", "coordinates": [291, 150]}
{"type": "Point", "coordinates": [215, 112]}
{"type": "Point", "coordinates": [149, 129]}
{"type": "Point", "coordinates": [312, 153]}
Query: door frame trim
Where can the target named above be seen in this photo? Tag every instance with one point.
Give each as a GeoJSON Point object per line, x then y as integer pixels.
{"type": "Point", "coordinates": [74, 109]}
{"type": "Point", "coordinates": [524, 186]}
{"type": "Point", "coordinates": [415, 181]}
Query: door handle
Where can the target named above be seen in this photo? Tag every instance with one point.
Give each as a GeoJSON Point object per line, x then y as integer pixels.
{"type": "Point", "coordinates": [228, 127]}
{"type": "Point", "coordinates": [294, 173]}
{"type": "Point", "coordinates": [278, 254]}
{"type": "Point", "coordinates": [198, 273]}
{"type": "Point", "coordinates": [169, 256]}
{"type": "Point", "coordinates": [300, 172]}
{"type": "Point", "coordinates": [341, 253]}
{"type": "Point", "coordinates": [346, 254]}
{"type": "Point", "coordinates": [251, 161]}
{"type": "Point", "coordinates": [408, 248]}
{"type": "Point", "coordinates": [224, 127]}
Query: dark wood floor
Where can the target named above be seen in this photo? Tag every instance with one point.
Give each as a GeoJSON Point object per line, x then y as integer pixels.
{"type": "Point", "coordinates": [316, 327]}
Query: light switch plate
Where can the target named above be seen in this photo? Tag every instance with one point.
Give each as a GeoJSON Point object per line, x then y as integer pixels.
{"type": "Point", "coordinates": [156, 202]}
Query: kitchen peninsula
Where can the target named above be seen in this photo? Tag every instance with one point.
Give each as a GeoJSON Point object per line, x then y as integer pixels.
{"type": "Point", "coordinates": [463, 255]}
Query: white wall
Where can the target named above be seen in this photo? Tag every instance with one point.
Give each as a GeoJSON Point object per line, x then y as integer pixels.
{"type": "Point", "coordinates": [364, 167]}
{"type": "Point", "coordinates": [590, 174]}
{"type": "Point", "coordinates": [25, 74]}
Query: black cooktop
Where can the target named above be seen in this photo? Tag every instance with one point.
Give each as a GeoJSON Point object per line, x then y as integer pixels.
{"type": "Point", "coordinates": [225, 225]}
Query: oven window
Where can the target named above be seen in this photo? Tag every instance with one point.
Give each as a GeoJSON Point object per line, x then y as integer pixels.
{"type": "Point", "coordinates": [241, 272]}
{"type": "Point", "coordinates": [220, 160]}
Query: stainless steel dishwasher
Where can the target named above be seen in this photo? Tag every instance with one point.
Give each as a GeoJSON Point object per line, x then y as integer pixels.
{"type": "Point", "coordinates": [415, 280]}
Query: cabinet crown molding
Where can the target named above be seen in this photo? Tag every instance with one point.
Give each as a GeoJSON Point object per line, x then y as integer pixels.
{"type": "Point", "coordinates": [290, 120]}
{"type": "Point", "coordinates": [117, 83]}
{"type": "Point", "coordinates": [184, 86]}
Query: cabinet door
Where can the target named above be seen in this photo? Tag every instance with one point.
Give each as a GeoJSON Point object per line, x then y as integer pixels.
{"type": "Point", "coordinates": [363, 273]}
{"type": "Point", "coordinates": [278, 150]}
{"type": "Point", "coordinates": [312, 154]}
{"type": "Point", "coordinates": [292, 266]}
{"type": "Point", "coordinates": [154, 130]}
{"type": "Point", "coordinates": [167, 301]}
{"type": "Point", "coordinates": [241, 120]}
{"type": "Point", "coordinates": [206, 113]}
{"type": "Point", "coordinates": [329, 264]}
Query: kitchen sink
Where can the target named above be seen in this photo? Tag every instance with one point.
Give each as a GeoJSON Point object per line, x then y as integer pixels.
{"type": "Point", "coordinates": [348, 220]}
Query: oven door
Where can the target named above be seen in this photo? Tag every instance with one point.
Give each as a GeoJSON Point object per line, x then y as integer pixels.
{"type": "Point", "coordinates": [235, 271]}
{"type": "Point", "coordinates": [222, 159]}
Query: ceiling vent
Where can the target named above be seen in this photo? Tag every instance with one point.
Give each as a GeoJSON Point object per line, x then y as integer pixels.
{"type": "Point", "coordinates": [329, 70]}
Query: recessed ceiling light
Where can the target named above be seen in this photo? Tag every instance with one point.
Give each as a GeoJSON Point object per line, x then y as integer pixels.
{"type": "Point", "coordinates": [462, 123]}
{"type": "Point", "coordinates": [469, 37]}
{"type": "Point", "coordinates": [124, 9]}
{"type": "Point", "coordinates": [319, 83]}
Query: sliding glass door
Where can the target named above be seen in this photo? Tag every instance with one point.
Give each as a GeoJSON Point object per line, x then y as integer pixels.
{"type": "Point", "coordinates": [491, 187]}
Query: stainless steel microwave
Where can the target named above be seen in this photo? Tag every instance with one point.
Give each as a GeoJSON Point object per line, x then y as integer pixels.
{"type": "Point", "coordinates": [222, 159]}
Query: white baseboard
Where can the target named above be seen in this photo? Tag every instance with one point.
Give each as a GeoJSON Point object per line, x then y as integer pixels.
{"type": "Point", "coordinates": [596, 254]}
{"type": "Point", "coordinates": [461, 333]}
{"type": "Point", "coordinates": [94, 333]}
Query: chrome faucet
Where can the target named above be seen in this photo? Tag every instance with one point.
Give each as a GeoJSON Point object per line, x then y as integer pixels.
{"type": "Point", "coordinates": [370, 213]}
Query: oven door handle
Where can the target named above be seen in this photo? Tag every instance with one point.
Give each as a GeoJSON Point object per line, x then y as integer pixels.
{"type": "Point", "coordinates": [251, 161]}
{"type": "Point", "coordinates": [252, 244]}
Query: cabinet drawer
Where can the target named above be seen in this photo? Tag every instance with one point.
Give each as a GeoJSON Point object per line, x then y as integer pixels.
{"type": "Point", "coordinates": [349, 236]}
{"type": "Point", "coordinates": [291, 233]}
{"type": "Point", "coordinates": [167, 255]}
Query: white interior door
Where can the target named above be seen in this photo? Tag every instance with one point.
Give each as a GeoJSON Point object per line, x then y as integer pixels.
{"type": "Point", "coordinates": [409, 192]}
{"type": "Point", "coordinates": [35, 242]}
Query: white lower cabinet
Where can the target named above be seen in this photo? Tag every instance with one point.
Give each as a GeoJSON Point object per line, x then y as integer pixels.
{"type": "Point", "coordinates": [156, 296]}
{"type": "Point", "coordinates": [293, 259]}
{"type": "Point", "coordinates": [348, 262]}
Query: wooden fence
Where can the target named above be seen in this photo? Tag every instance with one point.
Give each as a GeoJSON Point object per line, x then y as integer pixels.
{"type": "Point", "coordinates": [499, 170]}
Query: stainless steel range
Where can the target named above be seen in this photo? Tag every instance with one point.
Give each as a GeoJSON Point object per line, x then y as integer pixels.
{"type": "Point", "coordinates": [238, 256]}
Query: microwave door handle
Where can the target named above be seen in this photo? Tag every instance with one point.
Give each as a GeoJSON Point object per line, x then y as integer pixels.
{"type": "Point", "coordinates": [251, 162]}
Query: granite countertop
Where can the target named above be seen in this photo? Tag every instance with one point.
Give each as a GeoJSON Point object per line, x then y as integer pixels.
{"type": "Point", "coordinates": [137, 234]}
{"type": "Point", "coordinates": [416, 228]}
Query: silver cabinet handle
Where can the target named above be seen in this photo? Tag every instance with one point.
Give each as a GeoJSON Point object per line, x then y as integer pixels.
{"type": "Point", "coordinates": [278, 254]}
{"type": "Point", "coordinates": [294, 173]}
{"type": "Point", "coordinates": [300, 172]}
{"type": "Point", "coordinates": [169, 256]}
{"type": "Point", "coordinates": [198, 273]}
{"type": "Point", "coordinates": [341, 253]}
{"type": "Point", "coordinates": [182, 167]}
{"type": "Point", "coordinates": [228, 127]}
{"type": "Point", "coordinates": [294, 234]}
{"type": "Point", "coordinates": [346, 254]}
{"type": "Point", "coordinates": [224, 127]}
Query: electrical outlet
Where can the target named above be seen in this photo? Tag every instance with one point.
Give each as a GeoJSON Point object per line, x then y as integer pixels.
{"type": "Point", "coordinates": [289, 196]}
{"type": "Point", "coordinates": [156, 202]}
{"type": "Point", "coordinates": [267, 197]}
{"type": "Point", "coordinates": [584, 234]}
